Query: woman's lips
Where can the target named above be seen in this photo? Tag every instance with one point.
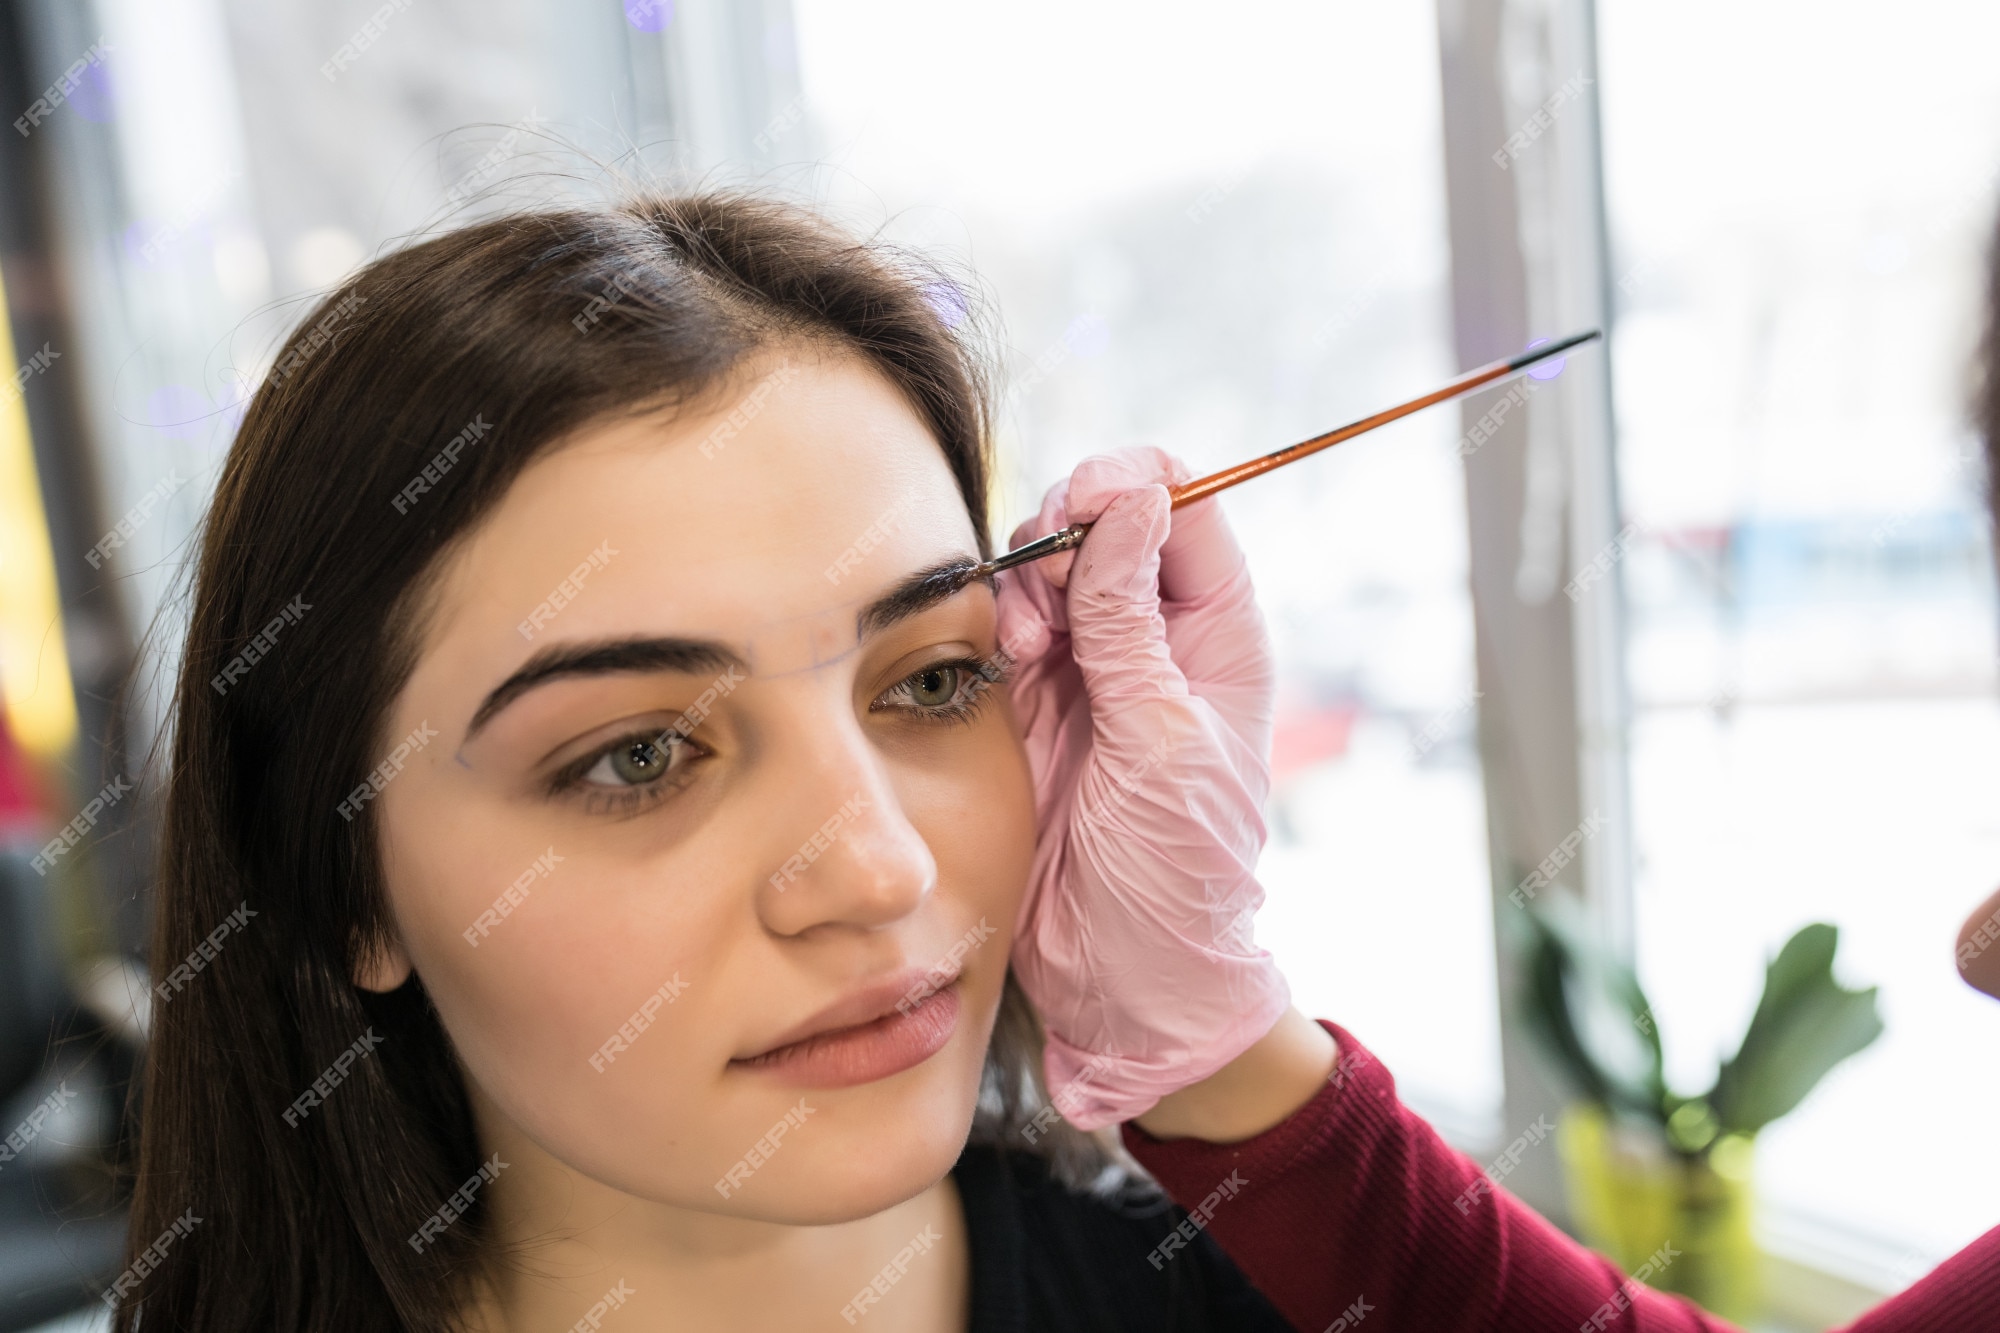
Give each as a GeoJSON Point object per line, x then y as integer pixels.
{"type": "Point", "coordinates": [842, 1057]}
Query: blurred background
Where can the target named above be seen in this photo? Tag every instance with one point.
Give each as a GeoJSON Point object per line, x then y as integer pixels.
{"type": "Point", "coordinates": [1217, 230]}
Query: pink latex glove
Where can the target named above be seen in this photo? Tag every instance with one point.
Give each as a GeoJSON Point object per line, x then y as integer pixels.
{"type": "Point", "coordinates": [1143, 679]}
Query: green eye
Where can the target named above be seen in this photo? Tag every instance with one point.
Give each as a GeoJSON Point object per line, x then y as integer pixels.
{"type": "Point", "coordinates": [636, 762]}
{"type": "Point", "coordinates": [941, 692]}
{"type": "Point", "coordinates": [934, 687]}
{"type": "Point", "coordinates": [641, 761]}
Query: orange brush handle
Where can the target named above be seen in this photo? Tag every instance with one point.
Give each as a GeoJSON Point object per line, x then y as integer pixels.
{"type": "Point", "coordinates": [1202, 487]}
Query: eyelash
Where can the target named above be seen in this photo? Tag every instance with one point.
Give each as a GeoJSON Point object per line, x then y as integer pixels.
{"type": "Point", "coordinates": [982, 674]}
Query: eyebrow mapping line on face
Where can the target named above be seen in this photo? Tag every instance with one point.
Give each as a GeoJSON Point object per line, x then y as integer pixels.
{"type": "Point", "coordinates": [914, 594]}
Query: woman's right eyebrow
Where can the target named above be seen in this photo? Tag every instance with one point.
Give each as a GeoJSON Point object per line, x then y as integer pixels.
{"type": "Point", "coordinates": [608, 657]}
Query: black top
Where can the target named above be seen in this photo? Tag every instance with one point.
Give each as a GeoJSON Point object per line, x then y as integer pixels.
{"type": "Point", "coordinates": [1046, 1259]}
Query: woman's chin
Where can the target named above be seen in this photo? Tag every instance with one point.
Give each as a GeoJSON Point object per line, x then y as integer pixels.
{"type": "Point", "coordinates": [856, 1157]}
{"type": "Point", "coordinates": [849, 1175]}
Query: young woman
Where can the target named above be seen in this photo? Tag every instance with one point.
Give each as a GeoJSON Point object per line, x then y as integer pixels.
{"type": "Point", "coordinates": [614, 893]}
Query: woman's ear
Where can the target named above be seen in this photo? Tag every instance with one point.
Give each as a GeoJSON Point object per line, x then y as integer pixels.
{"type": "Point", "coordinates": [1979, 948]}
{"type": "Point", "coordinates": [380, 964]}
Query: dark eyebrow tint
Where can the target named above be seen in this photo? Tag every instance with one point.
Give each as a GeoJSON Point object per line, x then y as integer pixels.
{"type": "Point", "coordinates": [562, 660]}
{"type": "Point", "coordinates": [919, 592]}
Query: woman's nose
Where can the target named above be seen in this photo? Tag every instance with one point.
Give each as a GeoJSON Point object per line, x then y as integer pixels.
{"type": "Point", "coordinates": [841, 849]}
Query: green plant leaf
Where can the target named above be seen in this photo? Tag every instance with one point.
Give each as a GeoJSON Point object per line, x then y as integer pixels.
{"type": "Point", "coordinates": [1805, 1024]}
{"type": "Point", "coordinates": [1587, 1009]}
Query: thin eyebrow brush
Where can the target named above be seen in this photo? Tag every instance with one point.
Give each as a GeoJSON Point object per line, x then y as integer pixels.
{"type": "Point", "coordinates": [1203, 487]}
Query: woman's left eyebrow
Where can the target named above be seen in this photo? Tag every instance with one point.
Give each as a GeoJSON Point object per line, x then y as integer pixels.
{"type": "Point", "coordinates": [608, 657]}
{"type": "Point", "coordinates": [919, 592]}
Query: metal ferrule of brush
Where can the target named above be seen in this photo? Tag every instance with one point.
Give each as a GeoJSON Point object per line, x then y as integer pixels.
{"type": "Point", "coordinates": [1060, 540]}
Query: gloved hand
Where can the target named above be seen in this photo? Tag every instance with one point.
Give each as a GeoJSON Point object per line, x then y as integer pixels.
{"type": "Point", "coordinates": [1144, 681]}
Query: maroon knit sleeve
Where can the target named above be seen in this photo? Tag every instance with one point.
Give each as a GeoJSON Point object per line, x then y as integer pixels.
{"type": "Point", "coordinates": [1961, 1294]}
{"type": "Point", "coordinates": [1355, 1210]}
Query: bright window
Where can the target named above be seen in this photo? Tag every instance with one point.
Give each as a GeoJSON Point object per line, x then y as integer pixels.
{"type": "Point", "coordinates": [1799, 209]}
{"type": "Point", "coordinates": [1225, 237]}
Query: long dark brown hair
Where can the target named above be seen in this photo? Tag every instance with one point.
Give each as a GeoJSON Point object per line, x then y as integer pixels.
{"type": "Point", "coordinates": [534, 324]}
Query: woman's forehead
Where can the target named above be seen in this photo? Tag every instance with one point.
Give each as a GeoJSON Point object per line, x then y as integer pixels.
{"type": "Point", "coordinates": [821, 500]}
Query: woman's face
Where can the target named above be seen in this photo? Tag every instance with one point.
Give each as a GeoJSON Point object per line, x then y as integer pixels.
{"type": "Point", "coordinates": [707, 802]}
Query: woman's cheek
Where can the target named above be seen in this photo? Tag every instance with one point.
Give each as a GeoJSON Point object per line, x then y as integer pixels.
{"type": "Point", "coordinates": [978, 816]}
{"type": "Point", "coordinates": [596, 980]}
